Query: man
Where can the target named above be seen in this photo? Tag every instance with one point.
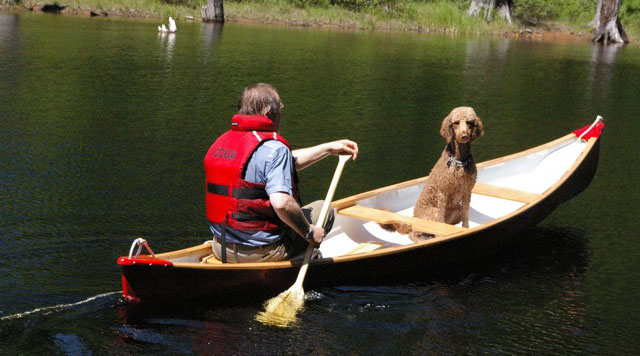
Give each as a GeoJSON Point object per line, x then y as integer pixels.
{"type": "Point", "coordinates": [252, 196]}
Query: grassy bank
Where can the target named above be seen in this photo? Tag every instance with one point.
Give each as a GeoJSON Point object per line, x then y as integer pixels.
{"type": "Point", "coordinates": [541, 16]}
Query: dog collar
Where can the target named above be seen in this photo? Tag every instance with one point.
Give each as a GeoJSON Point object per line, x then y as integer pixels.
{"type": "Point", "coordinates": [458, 162]}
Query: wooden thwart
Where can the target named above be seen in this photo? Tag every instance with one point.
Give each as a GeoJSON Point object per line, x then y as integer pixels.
{"type": "Point", "coordinates": [428, 226]}
{"type": "Point", "coordinates": [479, 188]}
{"type": "Point", "coordinates": [387, 217]}
{"type": "Point", "coordinates": [504, 193]}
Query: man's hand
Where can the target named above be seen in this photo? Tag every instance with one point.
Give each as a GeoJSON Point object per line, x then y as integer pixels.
{"type": "Point", "coordinates": [343, 147]}
{"type": "Point", "coordinates": [305, 157]}
{"type": "Point", "coordinates": [318, 235]}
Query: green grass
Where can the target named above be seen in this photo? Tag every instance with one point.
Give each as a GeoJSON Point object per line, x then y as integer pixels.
{"type": "Point", "coordinates": [413, 15]}
{"type": "Point", "coordinates": [434, 16]}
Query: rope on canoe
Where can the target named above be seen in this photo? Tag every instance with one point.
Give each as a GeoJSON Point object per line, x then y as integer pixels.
{"type": "Point", "coordinates": [140, 242]}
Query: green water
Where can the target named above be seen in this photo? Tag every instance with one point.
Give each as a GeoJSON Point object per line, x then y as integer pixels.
{"type": "Point", "coordinates": [104, 125]}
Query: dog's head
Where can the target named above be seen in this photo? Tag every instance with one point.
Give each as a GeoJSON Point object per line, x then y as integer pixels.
{"type": "Point", "coordinates": [462, 124]}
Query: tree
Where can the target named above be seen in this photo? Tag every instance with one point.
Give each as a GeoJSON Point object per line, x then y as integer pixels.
{"type": "Point", "coordinates": [213, 11]}
{"type": "Point", "coordinates": [487, 6]}
{"type": "Point", "coordinates": [607, 24]}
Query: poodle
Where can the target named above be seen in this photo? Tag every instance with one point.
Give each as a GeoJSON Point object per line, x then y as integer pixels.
{"type": "Point", "coordinates": [447, 191]}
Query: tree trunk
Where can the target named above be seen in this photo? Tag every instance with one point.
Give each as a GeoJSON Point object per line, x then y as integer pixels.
{"type": "Point", "coordinates": [213, 12]}
{"type": "Point", "coordinates": [596, 19]}
{"type": "Point", "coordinates": [608, 28]}
{"type": "Point", "coordinates": [487, 6]}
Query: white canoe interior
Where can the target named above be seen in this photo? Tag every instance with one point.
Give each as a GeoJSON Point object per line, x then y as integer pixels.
{"type": "Point", "coordinates": [504, 185]}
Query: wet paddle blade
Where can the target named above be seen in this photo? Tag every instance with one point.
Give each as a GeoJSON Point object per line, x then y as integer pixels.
{"type": "Point", "coordinates": [282, 309]}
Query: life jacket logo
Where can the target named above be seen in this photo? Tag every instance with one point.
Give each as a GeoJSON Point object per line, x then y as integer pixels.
{"type": "Point", "coordinates": [224, 153]}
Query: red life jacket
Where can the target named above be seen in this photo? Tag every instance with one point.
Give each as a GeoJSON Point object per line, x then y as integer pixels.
{"type": "Point", "coordinates": [244, 205]}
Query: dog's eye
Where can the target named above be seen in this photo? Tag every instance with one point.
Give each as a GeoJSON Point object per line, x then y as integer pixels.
{"type": "Point", "coordinates": [470, 123]}
{"type": "Point", "coordinates": [456, 123]}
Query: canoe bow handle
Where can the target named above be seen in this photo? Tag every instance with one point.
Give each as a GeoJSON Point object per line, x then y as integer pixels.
{"type": "Point", "coordinates": [598, 120]}
{"type": "Point", "coordinates": [140, 242]}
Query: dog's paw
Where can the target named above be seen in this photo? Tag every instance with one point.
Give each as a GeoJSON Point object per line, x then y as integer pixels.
{"type": "Point", "coordinates": [417, 236]}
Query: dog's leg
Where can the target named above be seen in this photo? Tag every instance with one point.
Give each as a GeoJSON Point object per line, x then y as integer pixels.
{"type": "Point", "coordinates": [466, 201]}
{"type": "Point", "coordinates": [441, 208]}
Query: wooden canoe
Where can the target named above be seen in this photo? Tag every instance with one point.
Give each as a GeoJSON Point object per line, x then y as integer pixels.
{"type": "Point", "coordinates": [512, 194]}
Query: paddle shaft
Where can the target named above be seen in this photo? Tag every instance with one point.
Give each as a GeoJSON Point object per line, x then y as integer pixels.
{"type": "Point", "coordinates": [342, 160]}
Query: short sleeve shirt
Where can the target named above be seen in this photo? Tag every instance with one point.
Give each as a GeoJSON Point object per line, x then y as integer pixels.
{"type": "Point", "coordinates": [271, 164]}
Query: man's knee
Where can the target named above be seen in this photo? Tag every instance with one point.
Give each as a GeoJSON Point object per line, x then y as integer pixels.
{"type": "Point", "coordinates": [312, 211]}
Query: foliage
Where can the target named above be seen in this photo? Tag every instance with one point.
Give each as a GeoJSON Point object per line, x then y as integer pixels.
{"type": "Point", "coordinates": [630, 12]}
{"type": "Point", "coordinates": [532, 12]}
{"type": "Point", "coordinates": [192, 4]}
{"type": "Point", "coordinates": [353, 5]}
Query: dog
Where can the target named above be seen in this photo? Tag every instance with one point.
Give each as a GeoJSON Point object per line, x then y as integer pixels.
{"type": "Point", "coordinates": [447, 191]}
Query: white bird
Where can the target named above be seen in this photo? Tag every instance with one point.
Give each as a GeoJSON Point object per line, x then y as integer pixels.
{"type": "Point", "coordinates": [172, 26]}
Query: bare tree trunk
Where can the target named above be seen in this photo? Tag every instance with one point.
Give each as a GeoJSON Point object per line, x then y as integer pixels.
{"type": "Point", "coordinates": [609, 29]}
{"type": "Point", "coordinates": [487, 6]}
{"type": "Point", "coordinates": [213, 12]}
{"type": "Point", "coordinates": [596, 19]}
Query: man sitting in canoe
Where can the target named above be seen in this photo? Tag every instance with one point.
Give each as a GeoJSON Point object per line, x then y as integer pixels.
{"type": "Point", "coordinates": [252, 197]}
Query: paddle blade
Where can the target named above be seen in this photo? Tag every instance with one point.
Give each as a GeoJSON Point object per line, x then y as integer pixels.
{"type": "Point", "coordinates": [282, 309]}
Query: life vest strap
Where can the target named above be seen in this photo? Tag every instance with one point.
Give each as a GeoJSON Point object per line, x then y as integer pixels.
{"type": "Point", "coordinates": [248, 217]}
{"type": "Point", "coordinates": [238, 192]}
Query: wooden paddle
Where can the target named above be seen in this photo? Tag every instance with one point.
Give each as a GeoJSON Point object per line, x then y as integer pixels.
{"type": "Point", "coordinates": [281, 310]}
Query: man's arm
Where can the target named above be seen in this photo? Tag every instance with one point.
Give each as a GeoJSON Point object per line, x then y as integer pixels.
{"type": "Point", "coordinates": [289, 211]}
{"type": "Point", "coordinates": [305, 157]}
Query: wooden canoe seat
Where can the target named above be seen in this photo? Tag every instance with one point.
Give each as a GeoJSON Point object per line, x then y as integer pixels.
{"type": "Point", "coordinates": [387, 217]}
{"type": "Point", "coordinates": [504, 193]}
{"type": "Point", "coordinates": [211, 259]}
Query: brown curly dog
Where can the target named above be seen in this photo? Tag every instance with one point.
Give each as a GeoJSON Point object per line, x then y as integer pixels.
{"type": "Point", "coordinates": [447, 191]}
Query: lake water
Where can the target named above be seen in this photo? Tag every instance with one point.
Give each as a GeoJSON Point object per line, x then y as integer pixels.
{"type": "Point", "coordinates": [104, 125]}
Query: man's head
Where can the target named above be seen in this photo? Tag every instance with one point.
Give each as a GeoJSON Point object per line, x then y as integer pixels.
{"type": "Point", "coordinates": [261, 99]}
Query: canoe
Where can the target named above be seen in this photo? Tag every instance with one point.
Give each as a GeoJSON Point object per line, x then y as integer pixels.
{"type": "Point", "coordinates": [512, 195]}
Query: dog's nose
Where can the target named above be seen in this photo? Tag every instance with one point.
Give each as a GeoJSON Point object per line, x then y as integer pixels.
{"type": "Point", "coordinates": [465, 136]}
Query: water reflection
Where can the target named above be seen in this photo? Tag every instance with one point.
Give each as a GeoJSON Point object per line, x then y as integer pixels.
{"type": "Point", "coordinates": [9, 38]}
{"type": "Point", "coordinates": [8, 30]}
{"type": "Point", "coordinates": [486, 53]}
{"type": "Point", "coordinates": [602, 59]}
{"type": "Point", "coordinates": [212, 33]}
{"type": "Point", "coordinates": [167, 44]}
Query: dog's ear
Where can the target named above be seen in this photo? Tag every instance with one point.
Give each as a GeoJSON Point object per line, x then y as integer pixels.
{"type": "Point", "coordinates": [445, 130]}
{"type": "Point", "coordinates": [478, 129]}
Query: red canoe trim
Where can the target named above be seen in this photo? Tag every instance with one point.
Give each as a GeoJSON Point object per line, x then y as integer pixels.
{"type": "Point", "coordinates": [595, 131]}
{"type": "Point", "coordinates": [127, 292]}
{"type": "Point", "coordinates": [126, 261]}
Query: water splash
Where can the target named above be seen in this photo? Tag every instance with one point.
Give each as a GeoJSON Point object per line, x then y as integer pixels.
{"type": "Point", "coordinates": [55, 308]}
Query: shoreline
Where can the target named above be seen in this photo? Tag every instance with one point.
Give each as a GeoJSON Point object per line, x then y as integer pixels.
{"type": "Point", "coordinates": [553, 32]}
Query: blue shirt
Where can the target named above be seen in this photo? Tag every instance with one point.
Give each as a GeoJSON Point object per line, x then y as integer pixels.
{"type": "Point", "coordinates": [271, 164]}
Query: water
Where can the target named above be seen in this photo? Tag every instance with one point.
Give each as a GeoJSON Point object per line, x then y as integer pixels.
{"type": "Point", "coordinates": [104, 125]}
